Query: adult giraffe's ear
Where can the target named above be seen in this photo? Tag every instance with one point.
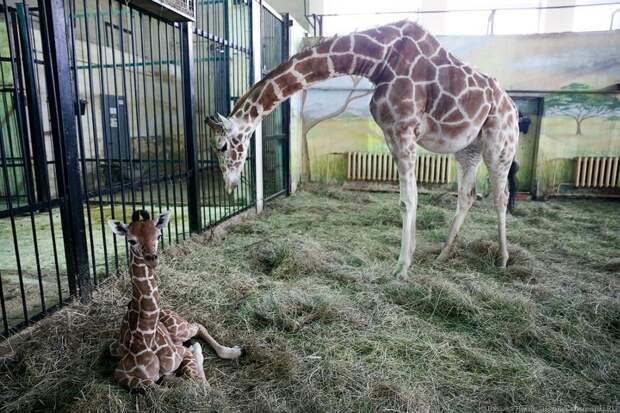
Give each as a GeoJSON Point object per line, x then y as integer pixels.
{"type": "Point", "coordinates": [162, 220]}
{"type": "Point", "coordinates": [118, 227]}
{"type": "Point", "coordinates": [225, 122]}
{"type": "Point", "coordinates": [219, 123]}
{"type": "Point", "coordinates": [214, 124]}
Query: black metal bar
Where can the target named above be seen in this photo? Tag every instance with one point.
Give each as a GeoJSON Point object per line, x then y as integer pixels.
{"type": "Point", "coordinates": [127, 96]}
{"type": "Point", "coordinates": [286, 108]}
{"type": "Point", "coordinates": [62, 109]}
{"type": "Point", "coordinates": [5, 177]}
{"type": "Point", "coordinates": [137, 106]}
{"type": "Point", "coordinates": [153, 75]}
{"type": "Point", "coordinates": [52, 203]}
{"type": "Point", "coordinates": [96, 150]}
{"type": "Point", "coordinates": [189, 109]}
{"type": "Point", "coordinates": [27, 208]}
{"type": "Point", "coordinates": [34, 107]}
{"type": "Point", "coordinates": [81, 147]}
{"type": "Point", "coordinates": [178, 131]}
{"type": "Point", "coordinates": [163, 129]}
{"type": "Point", "coordinates": [31, 92]}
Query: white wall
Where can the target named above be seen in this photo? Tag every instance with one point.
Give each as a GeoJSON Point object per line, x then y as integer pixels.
{"type": "Point", "coordinates": [296, 9]}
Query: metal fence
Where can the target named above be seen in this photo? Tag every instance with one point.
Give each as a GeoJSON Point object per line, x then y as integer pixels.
{"type": "Point", "coordinates": [102, 111]}
{"type": "Point", "coordinates": [274, 49]}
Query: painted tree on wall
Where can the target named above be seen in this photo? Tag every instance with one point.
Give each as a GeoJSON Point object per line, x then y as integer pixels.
{"type": "Point", "coordinates": [581, 104]}
{"type": "Point", "coordinates": [310, 122]}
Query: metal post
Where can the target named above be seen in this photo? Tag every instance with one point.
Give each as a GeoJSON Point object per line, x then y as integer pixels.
{"type": "Point", "coordinates": [189, 110]}
{"type": "Point", "coordinates": [258, 134]}
{"type": "Point", "coordinates": [491, 22]}
{"type": "Point", "coordinates": [34, 108]}
{"type": "Point", "coordinates": [286, 108]}
{"type": "Point", "coordinates": [63, 118]}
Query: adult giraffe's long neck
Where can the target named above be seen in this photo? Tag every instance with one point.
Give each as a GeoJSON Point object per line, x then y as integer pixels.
{"type": "Point", "coordinates": [359, 54]}
{"type": "Point", "coordinates": [144, 305]}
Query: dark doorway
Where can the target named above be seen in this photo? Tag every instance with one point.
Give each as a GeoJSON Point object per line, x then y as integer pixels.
{"type": "Point", "coordinates": [529, 108]}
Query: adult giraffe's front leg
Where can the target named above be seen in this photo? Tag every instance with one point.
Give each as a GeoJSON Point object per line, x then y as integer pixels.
{"type": "Point", "coordinates": [409, 203]}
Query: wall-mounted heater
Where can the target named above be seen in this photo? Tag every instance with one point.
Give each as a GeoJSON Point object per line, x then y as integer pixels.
{"type": "Point", "coordinates": [365, 166]}
{"type": "Point", "coordinates": [597, 172]}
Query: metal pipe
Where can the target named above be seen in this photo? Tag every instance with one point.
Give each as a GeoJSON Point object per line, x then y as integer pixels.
{"type": "Point", "coordinates": [491, 22]}
{"type": "Point", "coordinates": [613, 15]}
{"type": "Point", "coordinates": [470, 10]}
{"type": "Point", "coordinates": [306, 15]}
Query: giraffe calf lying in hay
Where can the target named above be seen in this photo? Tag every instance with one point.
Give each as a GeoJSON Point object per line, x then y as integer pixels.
{"type": "Point", "coordinates": [150, 346]}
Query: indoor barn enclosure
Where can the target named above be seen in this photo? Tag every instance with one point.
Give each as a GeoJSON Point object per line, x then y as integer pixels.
{"type": "Point", "coordinates": [292, 206]}
{"type": "Point", "coordinates": [103, 111]}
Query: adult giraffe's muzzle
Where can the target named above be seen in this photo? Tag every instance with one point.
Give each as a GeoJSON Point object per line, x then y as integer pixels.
{"type": "Point", "coordinates": [230, 184]}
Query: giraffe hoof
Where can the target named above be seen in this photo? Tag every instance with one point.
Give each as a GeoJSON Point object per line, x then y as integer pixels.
{"type": "Point", "coordinates": [442, 257]}
{"type": "Point", "coordinates": [196, 350]}
{"type": "Point", "coordinates": [400, 271]}
{"type": "Point", "coordinates": [237, 352]}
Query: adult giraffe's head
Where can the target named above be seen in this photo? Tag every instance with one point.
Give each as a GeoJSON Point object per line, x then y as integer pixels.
{"type": "Point", "coordinates": [143, 234]}
{"type": "Point", "coordinates": [231, 142]}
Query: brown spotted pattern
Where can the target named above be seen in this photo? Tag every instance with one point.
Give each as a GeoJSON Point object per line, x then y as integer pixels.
{"type": "Point", "coordinates": [150, 345]}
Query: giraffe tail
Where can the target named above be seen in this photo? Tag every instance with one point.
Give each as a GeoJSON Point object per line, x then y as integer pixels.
{"type": "Point", "coordinates": [513, 185]}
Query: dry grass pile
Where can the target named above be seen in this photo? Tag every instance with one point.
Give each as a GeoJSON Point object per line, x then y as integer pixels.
{"type": "Point", "coordinates": [306, 287]}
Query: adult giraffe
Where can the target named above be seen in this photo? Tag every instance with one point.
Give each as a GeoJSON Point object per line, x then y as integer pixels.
{"type": "Point", "coordinates": [424, 96]}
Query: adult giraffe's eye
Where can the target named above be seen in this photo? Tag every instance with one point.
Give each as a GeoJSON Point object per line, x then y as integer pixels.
{"type": "Point", "coordinates": [132, 242]}
{"type": "Point", "coordinates": [224, 147]}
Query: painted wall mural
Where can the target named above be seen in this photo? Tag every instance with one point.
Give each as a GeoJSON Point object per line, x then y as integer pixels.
{"type": "Point", "coordinates": [572, 76]}
{"type": "Point", "coordinates": [575, 123]}
{"type": "Point", "coordinates": [581, 105]}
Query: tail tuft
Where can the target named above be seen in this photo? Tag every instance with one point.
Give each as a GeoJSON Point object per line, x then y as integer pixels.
{"type": "Point", "coordinates": [513, 186]}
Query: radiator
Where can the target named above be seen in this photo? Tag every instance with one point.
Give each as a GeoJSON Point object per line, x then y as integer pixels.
{"type": "Point", "coordinates": [597, 172]}
{"type": "Point", "coordinates": [365, 166]}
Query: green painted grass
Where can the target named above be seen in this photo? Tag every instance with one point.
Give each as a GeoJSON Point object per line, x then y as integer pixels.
{"type": "Point", "coordinates": [306, 287]}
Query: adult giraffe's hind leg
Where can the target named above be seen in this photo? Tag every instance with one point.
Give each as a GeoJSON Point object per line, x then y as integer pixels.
{"type": "Point", "coordinates": [498, 153]}
{"type": "Point", "coordinates": [468, 161]}
{"type": "Point", "coordinates": [498, 175]}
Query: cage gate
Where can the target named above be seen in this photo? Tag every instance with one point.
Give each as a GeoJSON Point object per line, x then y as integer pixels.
{"type": "Point", "coordinates": [103, 109]}
{"type": "Point", "coordinates": [276, 126]}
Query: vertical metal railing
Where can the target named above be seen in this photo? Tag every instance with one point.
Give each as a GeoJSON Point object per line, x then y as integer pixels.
{"type": "Point", "coordinates": [276, 134]}
{"type": "Point", "coordinates": [62, 119]}
{"type": "Point", "coordinates": [223, 58]}
{"type": "Point", "coordinates": [33, 270]}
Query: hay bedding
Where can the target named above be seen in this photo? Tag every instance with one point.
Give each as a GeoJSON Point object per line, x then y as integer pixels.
{"type": "Point", "coordinates": [306, 288]}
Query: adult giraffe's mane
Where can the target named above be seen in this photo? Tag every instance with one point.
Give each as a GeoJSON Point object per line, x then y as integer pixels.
{"type": "Point", "coordinates": [283, 67]}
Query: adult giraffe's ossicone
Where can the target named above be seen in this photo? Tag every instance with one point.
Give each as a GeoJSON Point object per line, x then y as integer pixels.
{"type": "Point", "coordinates": [424, 96]}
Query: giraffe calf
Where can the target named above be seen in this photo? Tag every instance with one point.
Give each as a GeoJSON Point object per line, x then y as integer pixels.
{"type": "Point", "coordinates": [150, 346]}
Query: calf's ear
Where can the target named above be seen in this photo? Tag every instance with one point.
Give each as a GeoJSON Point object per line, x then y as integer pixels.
{"type": "Point", "coordinates": [118, 227]}
{"type": "Point", "coordinates": [163, 219]}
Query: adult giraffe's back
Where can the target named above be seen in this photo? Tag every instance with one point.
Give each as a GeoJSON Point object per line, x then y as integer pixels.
{"type": "Point", "coordinates": [424, 96]}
